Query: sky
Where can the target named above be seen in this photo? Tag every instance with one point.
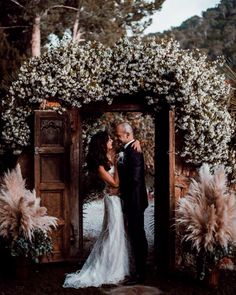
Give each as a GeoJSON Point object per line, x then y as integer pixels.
{"type": "Point", "coordinates": [174, 12]}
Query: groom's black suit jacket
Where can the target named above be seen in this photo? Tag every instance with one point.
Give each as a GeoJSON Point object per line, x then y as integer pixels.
{"type": "Point", "coordinates": [132, 182]}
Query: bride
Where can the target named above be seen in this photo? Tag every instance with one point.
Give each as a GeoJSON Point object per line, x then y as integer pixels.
{"type": "Point", "coordinates": [108, 262]}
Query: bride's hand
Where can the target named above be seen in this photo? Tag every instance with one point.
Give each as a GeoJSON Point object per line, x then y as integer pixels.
{"type": "Point", "coordinates": [113, 191]}
{"type": "Point", "coordinates": [136, 146]}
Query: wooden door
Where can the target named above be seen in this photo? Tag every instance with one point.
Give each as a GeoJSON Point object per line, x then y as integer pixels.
{"type": "Point", "coordinates": [165, 189]}
{"type": "Point", "coordinates": [52, 174]}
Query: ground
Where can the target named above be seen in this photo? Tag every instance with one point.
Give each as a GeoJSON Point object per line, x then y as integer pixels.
{"type": "Point", "coordinates": [48, 279]}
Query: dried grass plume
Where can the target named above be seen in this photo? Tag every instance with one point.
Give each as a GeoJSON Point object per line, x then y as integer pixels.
{"type": "Point", "coordinates": [207, 215]}
{"type": "Point", "coordinates": [20, 210]}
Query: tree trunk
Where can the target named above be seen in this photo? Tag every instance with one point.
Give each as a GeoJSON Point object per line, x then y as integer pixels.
{"type": "Point", "coordinates": [77, 33]}
{"type": "Point", "coordinates": [36, 37]}
{"type": "Point", "coordinates": [75, 27]}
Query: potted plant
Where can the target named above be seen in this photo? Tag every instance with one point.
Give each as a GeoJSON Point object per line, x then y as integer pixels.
{"type": "Point", "coordinates": [24, 224]}
{"type": "Point", "coordinates": [206, 221]}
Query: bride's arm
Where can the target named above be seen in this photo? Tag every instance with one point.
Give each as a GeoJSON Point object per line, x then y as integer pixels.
{"type": "Point", "coordinates": [137, 146]}
{"type": "Point", "coordinates": [106, 177]}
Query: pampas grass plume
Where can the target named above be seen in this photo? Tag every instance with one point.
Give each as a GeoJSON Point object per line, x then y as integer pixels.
{"type": "Point", "coordinates": [20, 210]}
{"type": "Point", "coordinates": [206, 216]}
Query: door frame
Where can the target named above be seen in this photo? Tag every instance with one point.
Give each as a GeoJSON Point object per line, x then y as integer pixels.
{"type": "Point", "coordinates": [164, 236]}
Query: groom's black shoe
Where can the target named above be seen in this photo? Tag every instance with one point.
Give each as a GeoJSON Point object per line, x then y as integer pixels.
{"type": "Point", "coordinates": [130, 282]}
{"type": "Point", "coordinates": [134, 280]}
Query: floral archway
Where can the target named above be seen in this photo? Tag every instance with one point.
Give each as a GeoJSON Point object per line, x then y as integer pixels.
{"type": "Point", "coordinates": [159, 70]}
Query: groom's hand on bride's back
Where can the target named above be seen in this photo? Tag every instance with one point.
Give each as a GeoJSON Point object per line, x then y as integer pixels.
{"type": "Point", "coordinates": [137, 146]}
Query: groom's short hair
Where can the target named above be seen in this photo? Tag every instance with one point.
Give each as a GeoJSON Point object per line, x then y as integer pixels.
{"type": "Point", "coordinates": [126, 127]}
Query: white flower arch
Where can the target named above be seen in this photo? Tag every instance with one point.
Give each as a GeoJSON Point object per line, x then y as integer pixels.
{"type": "Point", "coordinates": [161, 70]}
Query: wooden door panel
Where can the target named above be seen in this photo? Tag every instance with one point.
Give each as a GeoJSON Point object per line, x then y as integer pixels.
{"type": "Point", "coordinates": [58, 244]}
{"type": "Point", "coordinates": [52, 168]}
{"type": "Point", "coordinates": [53, 201]}
{"type": "Point", "coordinates": [51, 131]}
{"type": "Point", "coordinates": [51, 186]}
{"type": "Point", "coordinates": [52, 174]}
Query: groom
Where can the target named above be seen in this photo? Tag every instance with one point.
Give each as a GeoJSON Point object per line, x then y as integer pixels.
{"type": "Point", "coordinates": [134, 195]}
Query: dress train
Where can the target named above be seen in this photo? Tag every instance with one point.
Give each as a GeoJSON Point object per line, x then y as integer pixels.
{"type": "Point", "coordinates": [108, 262]}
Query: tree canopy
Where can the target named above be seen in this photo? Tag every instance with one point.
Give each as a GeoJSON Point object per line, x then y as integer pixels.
{"type": "Point", "coordinates": [105, 21]}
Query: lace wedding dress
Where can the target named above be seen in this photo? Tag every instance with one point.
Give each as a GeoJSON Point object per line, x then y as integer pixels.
{"type": "Point", "coordinates": [108, 263]}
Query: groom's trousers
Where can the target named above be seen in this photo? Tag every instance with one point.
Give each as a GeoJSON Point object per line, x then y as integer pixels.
{"type": "Point", "coordinates": [138, 241]}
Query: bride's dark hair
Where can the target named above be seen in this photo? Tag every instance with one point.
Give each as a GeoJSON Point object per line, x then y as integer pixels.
{"type": "Point", "coordinates": [97, 151]}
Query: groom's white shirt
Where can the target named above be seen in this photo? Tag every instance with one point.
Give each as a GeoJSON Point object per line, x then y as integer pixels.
{"type": "Point", "coordinates": [128, 143]}
{"type": "Point", "coordinates": [121, 154]}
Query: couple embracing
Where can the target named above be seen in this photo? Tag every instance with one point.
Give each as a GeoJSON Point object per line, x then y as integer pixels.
{"type": "Point", "coordinates": [119, 255]}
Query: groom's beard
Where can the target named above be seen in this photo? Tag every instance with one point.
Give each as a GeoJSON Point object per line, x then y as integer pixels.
{"type": "Point", "coordinates": [118, 145]}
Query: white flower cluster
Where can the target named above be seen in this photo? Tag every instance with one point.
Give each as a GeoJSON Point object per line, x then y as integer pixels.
{"type": "Point", "coordinates": [159, 70]}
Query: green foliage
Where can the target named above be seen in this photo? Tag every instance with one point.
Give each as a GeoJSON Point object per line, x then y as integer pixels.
{"type": "Point", "coordinates": [104, 21]}
{"type": "Point", "coordinates": [208, 260]}
{"type": "Point", "coordinates": [41, 244]}
{"type": "Point", "coordinates": [214, 32]}
{"type": "Point", "coordinates": [205, 261]}
{"type": "Point", "coordinates": [107, 21]}
{"type": "Point", "coordinates": [11, 60]}
{"type": "Point", "coordinates": [101, 20]}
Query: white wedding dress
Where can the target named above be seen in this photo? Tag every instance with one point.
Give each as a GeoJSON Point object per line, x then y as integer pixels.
{"type": "Point", "coordinates": [108, 263]}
